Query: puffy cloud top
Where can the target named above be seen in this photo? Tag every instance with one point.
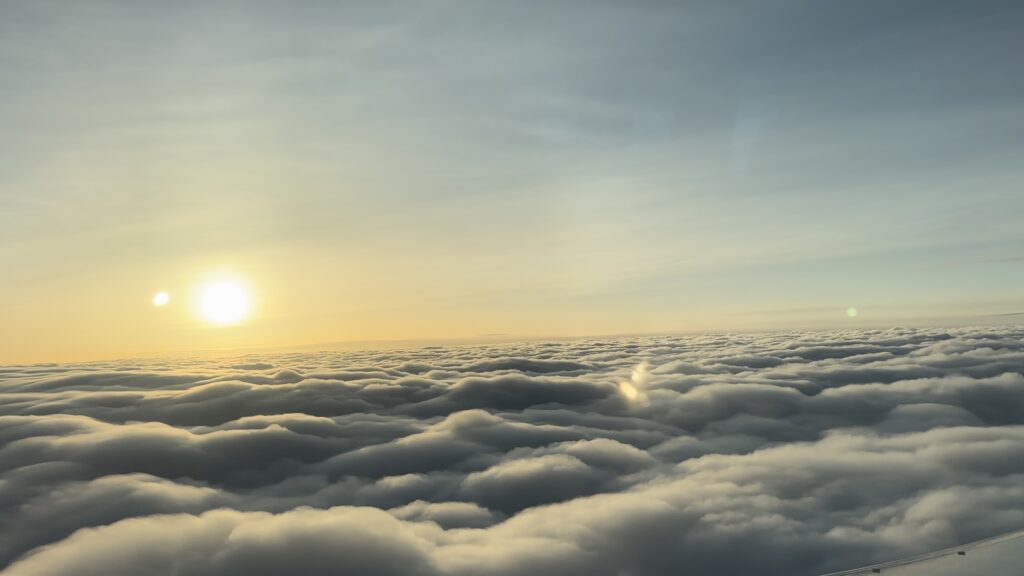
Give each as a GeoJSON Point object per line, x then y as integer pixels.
{"type": "Point", "coordinates": [785, 454]}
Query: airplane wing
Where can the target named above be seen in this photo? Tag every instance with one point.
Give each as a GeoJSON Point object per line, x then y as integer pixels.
{"type": "Point", "coordinates": [998, 556]}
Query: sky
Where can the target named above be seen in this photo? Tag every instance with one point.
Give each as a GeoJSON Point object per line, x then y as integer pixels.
{"type": "Point", "coordinates": [457, 169]}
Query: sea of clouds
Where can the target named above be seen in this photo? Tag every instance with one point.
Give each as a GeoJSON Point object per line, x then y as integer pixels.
{"type": "Point", "coordinates": [782, 454]}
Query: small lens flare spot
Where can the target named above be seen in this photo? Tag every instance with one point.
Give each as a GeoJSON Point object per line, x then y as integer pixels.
{"type": "Point", "coordinates": [161, 299]}
{"type": "Point", "coordinates": [628, 390]}
{"type": "Point", "coordinates": [851, 312]}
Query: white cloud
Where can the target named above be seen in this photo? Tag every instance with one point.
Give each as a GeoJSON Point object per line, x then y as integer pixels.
{"type": "Point", "coordinates": [809, 452]}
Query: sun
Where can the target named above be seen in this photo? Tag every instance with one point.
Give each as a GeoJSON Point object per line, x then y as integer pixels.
{"type": "Point", "coordinates": [224, 302]}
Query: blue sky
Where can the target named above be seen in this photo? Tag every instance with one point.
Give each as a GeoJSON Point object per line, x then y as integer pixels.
{"type": "Point", "coordinates": [393, 170]}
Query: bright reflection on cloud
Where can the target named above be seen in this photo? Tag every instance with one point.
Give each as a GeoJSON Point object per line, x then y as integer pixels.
{"type": "Point", "coordinates": [628, 390]}
{"type": "Point", "coordinates": [633, 390]}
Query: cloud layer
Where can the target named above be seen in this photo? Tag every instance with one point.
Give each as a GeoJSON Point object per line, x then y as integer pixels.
{"type": "Point", "coordinates": [788, 454]}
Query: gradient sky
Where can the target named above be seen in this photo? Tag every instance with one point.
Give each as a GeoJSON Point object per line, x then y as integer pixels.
{"type": "Point", "coordinates": [408, 170]}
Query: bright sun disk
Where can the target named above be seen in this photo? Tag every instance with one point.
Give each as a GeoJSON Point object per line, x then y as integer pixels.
{"type": "Point", "coordinates": [224, 302]}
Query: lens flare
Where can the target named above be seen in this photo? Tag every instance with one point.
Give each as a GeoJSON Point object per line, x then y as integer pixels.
{"type": "Point", "coordinates": [161, 299]}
